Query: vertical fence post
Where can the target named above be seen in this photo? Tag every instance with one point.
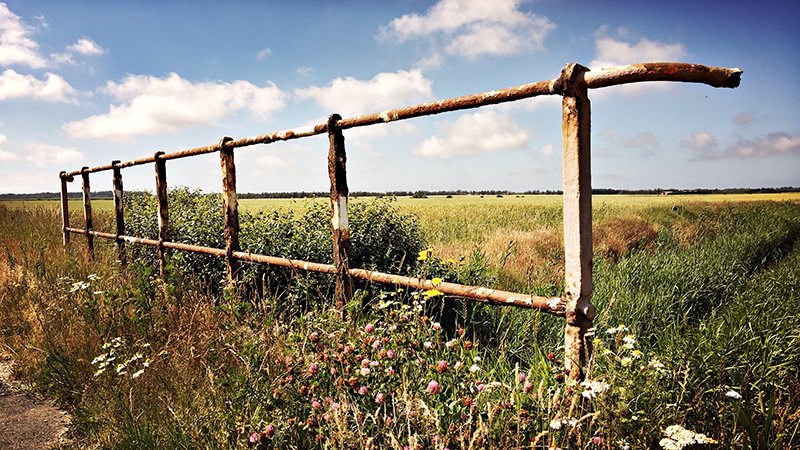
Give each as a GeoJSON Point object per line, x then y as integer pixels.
{"type": "Point", "coordinates": [163, 211]}
{"type": "Point", "coordinates": [339, 226]}
{"type": "Point", "coordinates": [87, 213]}
{"type": "Point", "coordinates": [576, 130]}
{"type": "Point", "coordinates": [231, 207]}
{"type": "Point", "coordinates": [119, 212]}
{"type": "Point", "coordinates": [64, 206]}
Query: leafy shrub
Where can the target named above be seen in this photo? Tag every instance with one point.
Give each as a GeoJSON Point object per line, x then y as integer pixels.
{"type": "Point", "coordinates": [381, 237]}
{"type": "Point", "coordinates": [194, 218]}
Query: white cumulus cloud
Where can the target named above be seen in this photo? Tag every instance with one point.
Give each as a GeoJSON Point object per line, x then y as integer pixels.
{"type": "Point", "coordinates": [778, 143]}
{"type": "Point", "coordinates": [349, 96]}
{"type": "Point", "coordinates": [86, 46]}
{"type": "Point", "coordinates": [610, 52]}
{"type": "Point", "coordinates": [702, 142]}
{"type": "Point", "coordinates": [53, 88]}
{"type": "Point", "coordinates": [16, 46]}
{"type": "Point", "coordinates": [472, 28]}
{"type": "Point", "coordinates": [474, 134]}
{"type": "Point", "coordinates": [773, 144]}
{"type": "Point", "coordinates": [152, 106]}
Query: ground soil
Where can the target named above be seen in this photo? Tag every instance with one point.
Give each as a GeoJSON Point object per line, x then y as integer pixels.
{"type": "Point", "coordinates": [27, 421]}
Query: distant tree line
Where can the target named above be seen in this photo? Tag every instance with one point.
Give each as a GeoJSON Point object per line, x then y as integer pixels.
{"type": "Point", "coordinates": [100, 195]}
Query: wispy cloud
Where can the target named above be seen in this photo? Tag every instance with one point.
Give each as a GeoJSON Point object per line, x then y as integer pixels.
{"type": "Point", "coordinates": [53, 88]}
{"type": "Point", "coordinates": [703, 143]}
{"type": "Point", "coordinates": [305, 71]}
{"type": "Point", "coordinates": [773, 144]}
{"type": "Point", "coordinates": [349, 96]}
{"type": "Point", "coordinates": [262, 54]}
{"type": "Point", "coordinates": [5, 155]}
{"type": "Point", "coordinates": [153, 106]}
{"type": "Point", "coordinates": [45, 154]}
{"type": "Point", "coordinates": [641, 140]}
{"type": "Point", "coordinates": [16, 46]}
{"type": "Point", "coordinates": [779, 143]}
{"type": "Point", "coordinates": [474, 134]}
{"type": "Point", "coordinates": [547, 150]}
{"type": "Point", "coordinates": [610, 52]}
{"type": "Point", "coordinates": [86, 46]}
{"type": "Point", "coordinates": [612, 138]}
{"type": "Point", "coordinates": [42, 154]}
{"type": "Point", "coordinates": [744, 119]}
{"type": "Point", "coordinates": [474, 28]}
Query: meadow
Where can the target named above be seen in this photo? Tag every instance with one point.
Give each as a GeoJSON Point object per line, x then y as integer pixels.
{"type": "Point", "coordinates": [695, 341]}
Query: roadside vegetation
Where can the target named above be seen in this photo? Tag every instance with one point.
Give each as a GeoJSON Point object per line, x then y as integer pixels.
{"type": "Point", "coordinates": [696, 340]}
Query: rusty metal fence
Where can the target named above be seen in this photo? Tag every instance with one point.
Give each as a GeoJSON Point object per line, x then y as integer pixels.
{"type": "Point", "coordinates": [573, 85]}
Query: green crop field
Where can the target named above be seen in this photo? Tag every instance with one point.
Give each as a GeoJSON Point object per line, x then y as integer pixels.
{"type": "Point", "coordinates": [696, 328]}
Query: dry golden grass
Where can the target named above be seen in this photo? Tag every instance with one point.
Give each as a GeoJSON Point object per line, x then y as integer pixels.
{"type": "Point", "coordinates": [618, 236]}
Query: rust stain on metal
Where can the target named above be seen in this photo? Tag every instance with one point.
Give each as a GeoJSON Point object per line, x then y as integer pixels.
{"type": "Point", "coordinates": [87, 212]}
{"type": "Point", "coordinates": [163, 210]}
{"type": "Point", "coordinates": [718, 77]}
{"type": "Point", "coordinates": [119, 213]}
{"type": "Point", "coordinates": [340, 231]}
{"type": "Point", "coordinates": [230, 206]}
{"type": "Point", "coordinates": [64, 206]}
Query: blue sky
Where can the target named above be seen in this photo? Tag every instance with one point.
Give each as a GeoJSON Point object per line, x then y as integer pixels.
{"type": "Point", "coordinates": [85, 82]}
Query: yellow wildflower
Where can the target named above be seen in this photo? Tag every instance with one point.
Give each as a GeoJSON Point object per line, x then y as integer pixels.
{"type": "Point", "coordinates": [423, 255]}
{"type": "Point", "coordinates": [436, 281]}
{"type": "Point", "coordinates": [433, 293]}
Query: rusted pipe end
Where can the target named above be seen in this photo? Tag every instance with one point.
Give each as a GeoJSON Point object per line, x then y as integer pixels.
{"type": "Point", "coordinates": [85, 169]}
{"type": "Point", "coordinates": [157, 155]}
{"type": "Point", "coordinates": [734, 79]}
{"type": "Point", "coordinates": [115, 162]}
{"type": "Point", "coordinates": [63, 175]}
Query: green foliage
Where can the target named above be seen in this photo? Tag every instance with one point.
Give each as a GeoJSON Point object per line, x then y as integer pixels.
{"type": "Point", "coordinates": [194, 218]}
{"type": "Point", "coordinates": [382, 238]}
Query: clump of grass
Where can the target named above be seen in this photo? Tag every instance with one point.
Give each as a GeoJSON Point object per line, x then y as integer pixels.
{"type": "Point", "coordinates": [621, 236]}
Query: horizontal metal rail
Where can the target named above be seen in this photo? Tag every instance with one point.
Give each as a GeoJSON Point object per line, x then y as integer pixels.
{"type": "Point", "coordinates": [680, 72]}
{"type": "Point", "coordinates": [552, 305]}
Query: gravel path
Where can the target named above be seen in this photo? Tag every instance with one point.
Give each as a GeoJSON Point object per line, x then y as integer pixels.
{"type": "Point", "coordinates": [26, 422]}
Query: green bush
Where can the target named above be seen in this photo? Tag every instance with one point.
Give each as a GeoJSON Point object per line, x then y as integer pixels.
{"type": "Point", "coordinates": [382, 238]}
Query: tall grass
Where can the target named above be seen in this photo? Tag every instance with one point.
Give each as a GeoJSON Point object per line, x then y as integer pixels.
{"type": "Point", "coordinates": [696, 309]}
